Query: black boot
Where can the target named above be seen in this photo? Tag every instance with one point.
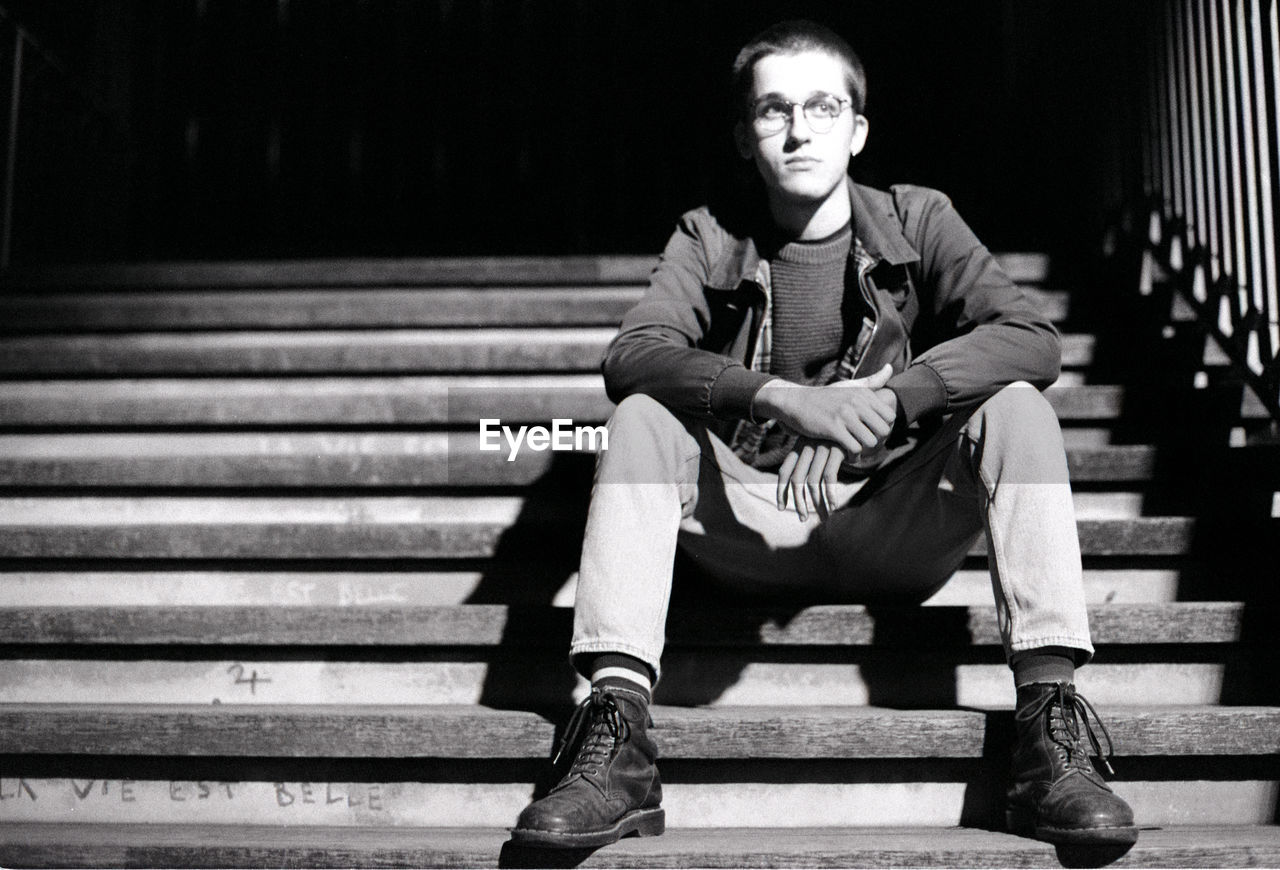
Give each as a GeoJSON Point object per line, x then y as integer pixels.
{"type": "Point", "coordinates": [612, 788]}
{"type": "Point", "coordinates": [1057, 795]}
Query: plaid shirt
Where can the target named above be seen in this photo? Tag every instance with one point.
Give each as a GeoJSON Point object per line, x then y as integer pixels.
{"type": "Point", "coordinates": [749, 437]}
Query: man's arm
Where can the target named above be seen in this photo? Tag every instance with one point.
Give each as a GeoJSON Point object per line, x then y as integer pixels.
{"type": "Point", "coordinates": [991, 333]}
{"type": "Point", "coordinates": [856, 414]}
{"type": "Point", "coordinates": [656, 351]}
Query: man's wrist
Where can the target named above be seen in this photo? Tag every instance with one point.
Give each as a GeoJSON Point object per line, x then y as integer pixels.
{"type": "Point", "coordinates": [733, 391]}
{"type": "Point", "coordinates": [770, 400]}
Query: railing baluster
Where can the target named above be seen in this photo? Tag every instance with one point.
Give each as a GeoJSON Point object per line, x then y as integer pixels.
{"type": "Point", "coordinates": [1181, 133]}
{"type": "Point", "coordinates": [1170, 143]}
{"type": "Point", "coordinates": [1151, 154]}
{"type": "Point", "coordinates": [1248, 135]}
{"type": "Point", "coordinates": [1223, 155]}
{"type": "Point", "coordinates": [1264, 284]}
{"type": "Point", "coordinates": [1266, 274]}
{"type": "Point", "coordinates": [1272, 312]}
{"type": "Point", "coordinates": [1231, 75]}
{"type": "Point", "coordinates": [11, 154]}
{"type": "Point", "coordinates": [1204, 152]}
{"type": "Point", "coordinates": [1173, 145]}
{"type": "Point", "coordinates": [1197, 238]}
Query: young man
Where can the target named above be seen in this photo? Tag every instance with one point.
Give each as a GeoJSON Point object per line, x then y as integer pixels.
{"type": "Point", "coordinates": [828, 396]}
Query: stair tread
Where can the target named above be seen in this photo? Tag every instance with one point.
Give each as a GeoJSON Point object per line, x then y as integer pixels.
{"type": "Point", "coordinates": [336, 459]}
{"type": "Point", "coordinates": [525, 583]}
{"type": "Point", "coordinates": [356, 509]}
{"type": "Point", "coordinates": [566, 349]}
{"type": "Point", "coordinates": [353, 271]}
{"type": "Point", "coordinates": [485, 625]}
{"type": "Point", "coordinates": [133, 311]}
{"type": "Point", "coordinates": [385, 400]}
{"type": "Point", "coordinates": [371, 350]}
{"type": "Point", "coordinates": [101, 845]}
{"type": "Point", "coordinates": [384, 527]}
{"type": "Point", "coordinates": [469, 731]}
{"type": "Point", "coordinates": [1025, 267]}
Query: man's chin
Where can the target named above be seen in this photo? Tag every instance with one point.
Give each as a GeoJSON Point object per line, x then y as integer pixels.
{"type": "Point", "coordinates": [805, 191]}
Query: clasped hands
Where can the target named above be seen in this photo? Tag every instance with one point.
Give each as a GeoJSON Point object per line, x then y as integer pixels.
{"type": "Point", "coordinates": [833, 421]}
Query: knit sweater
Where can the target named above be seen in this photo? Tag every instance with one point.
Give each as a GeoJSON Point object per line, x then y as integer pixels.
{"type": "Point", "coordinates": [808, 296]}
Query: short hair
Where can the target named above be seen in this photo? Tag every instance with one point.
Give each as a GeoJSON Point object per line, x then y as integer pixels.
{"type": "Point", "coordinates": [793, 37]}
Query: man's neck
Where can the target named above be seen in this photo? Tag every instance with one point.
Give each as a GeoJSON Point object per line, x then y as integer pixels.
{"type": "Point", "coordinates": [812, 220]}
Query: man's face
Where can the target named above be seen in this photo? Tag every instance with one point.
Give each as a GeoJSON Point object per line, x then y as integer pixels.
{"type": "Point", "coordinates": [797, 163]}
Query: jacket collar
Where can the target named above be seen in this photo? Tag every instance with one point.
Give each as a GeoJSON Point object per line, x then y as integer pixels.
{"type": "Point", "coordinates": [877, 225]}
{"type": "Point", "coordinates": [875, 222]}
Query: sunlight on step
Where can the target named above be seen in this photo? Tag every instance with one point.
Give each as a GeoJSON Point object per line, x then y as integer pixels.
{"type": "Point", "coordinates": [854, 803]}
{"type": "Point", "coordinates": [440, 588]}
{"type": "Point", "coordinates": [213, 510]}
{"type": "Point", "coordinates": [715, 677]}
{"type": "Point", "coordinates": [270, 510]}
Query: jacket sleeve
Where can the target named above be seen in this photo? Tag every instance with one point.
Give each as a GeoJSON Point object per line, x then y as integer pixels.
{"type": "Point", "coordinates": [656, 350]}
{"type": "Point", "coordinates": [983, 333]}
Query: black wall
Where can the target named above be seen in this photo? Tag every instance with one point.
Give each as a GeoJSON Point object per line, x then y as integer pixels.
{"type": "Point", "coordinates": [309, 128]}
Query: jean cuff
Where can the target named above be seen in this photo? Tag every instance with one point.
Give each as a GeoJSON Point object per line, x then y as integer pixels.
{"type": "Point", "coordinates": [596, 647]}
{"type": "Point", "coordinates": [1083, 646]}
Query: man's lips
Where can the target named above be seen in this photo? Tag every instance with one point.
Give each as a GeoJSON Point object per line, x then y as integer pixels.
{"type": "Point", "coordinates": [802, 161]}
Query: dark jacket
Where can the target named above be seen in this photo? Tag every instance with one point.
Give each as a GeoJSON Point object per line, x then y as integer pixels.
{"type": "Point", "coordinates": [947, 317]}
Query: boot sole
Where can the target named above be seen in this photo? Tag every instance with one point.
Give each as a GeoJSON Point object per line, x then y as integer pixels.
{"type": "Point", "coordinates": [1023, 823]}
{"type": "Point", "coordinates": [643, 823]}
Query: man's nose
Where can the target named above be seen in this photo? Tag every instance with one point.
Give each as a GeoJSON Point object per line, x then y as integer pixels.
{"type": "Point", "coordinates": [798, 128]}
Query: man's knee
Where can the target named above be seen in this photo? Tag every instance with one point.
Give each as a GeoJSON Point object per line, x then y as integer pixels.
{"type": "Point", "coordinates": [1019, 408]}
{"type": "Point", "coordinates": [647, 444]}
{"type": "Point", "coordinates": [641, 413]}
{"type": "Point", "coordinates": [1017, 431]}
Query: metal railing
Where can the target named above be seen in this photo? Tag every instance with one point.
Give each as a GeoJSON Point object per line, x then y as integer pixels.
{"type": "Point", "coordinates": [1210, 170]}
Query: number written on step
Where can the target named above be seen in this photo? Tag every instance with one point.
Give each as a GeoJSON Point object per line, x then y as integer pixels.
{"type": "Point", "coordinates": [238, 672]}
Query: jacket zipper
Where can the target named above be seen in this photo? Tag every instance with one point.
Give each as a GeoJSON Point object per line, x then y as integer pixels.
{"type": "Point", "coordinates": [875, 315]}
{"type": "Point", "coordinates": [763, 280]}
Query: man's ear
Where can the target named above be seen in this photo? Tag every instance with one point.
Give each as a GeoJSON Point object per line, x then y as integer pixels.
{"type": "Point", "coordinates": [860, 128]}
{"type": "Point", "coordinates": [742, 141]}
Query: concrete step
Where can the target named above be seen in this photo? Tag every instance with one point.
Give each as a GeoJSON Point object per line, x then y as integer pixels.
{"type": "Point", "coordinates": [567, 349]}
{"type": "Point", "coordinates": [393, 794]}
{"type": "Point", "coordinates": [1022, 267]}
{"type": "Point", "coordinates": [531, 678]}
{"type": "Point", "coordinates": [345, 272]}
{"type": "Point", "coordinates": [285, 352]}
{"type": "Point", "coordinates": [515, 656]}
{"type": "Point", "coordinates": [258, 845]}
{"type": "Point", "coordinates": [473, 732]}
{"type": "Point", "coordinates": [148, 310]}
{"type": "Point", "coordinates": [403, 527]}
{"type": "Point", "coordinates": [500, 625]}
{"type": "Point", "coordinates": [401, 401]}
{"type": "Point", "coordinates": [342, 459]}
{"type": "Point", "coordinates": [523, 584]}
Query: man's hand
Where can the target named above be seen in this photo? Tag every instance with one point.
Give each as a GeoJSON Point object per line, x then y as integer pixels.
{"type": "Point", "coordinates": [836, 421]}
{"type": "Point", "coordinates": [806, 473]}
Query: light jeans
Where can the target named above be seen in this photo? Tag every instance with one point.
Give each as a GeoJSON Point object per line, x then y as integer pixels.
{"type": "Point", "coordinates": [897, 536]}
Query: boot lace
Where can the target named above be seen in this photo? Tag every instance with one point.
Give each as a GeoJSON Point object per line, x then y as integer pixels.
{"type": "Point", "coordinates": [601, 720]}
{"type": "Point", "coordinates": [1068, 711]}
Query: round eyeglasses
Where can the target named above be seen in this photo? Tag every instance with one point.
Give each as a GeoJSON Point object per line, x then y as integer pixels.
{"type": "Point", "coordinates": [771, 115]}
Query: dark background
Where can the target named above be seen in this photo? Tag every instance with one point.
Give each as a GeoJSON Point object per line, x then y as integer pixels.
{"type": "Point", "coordinates": [281, 128]}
